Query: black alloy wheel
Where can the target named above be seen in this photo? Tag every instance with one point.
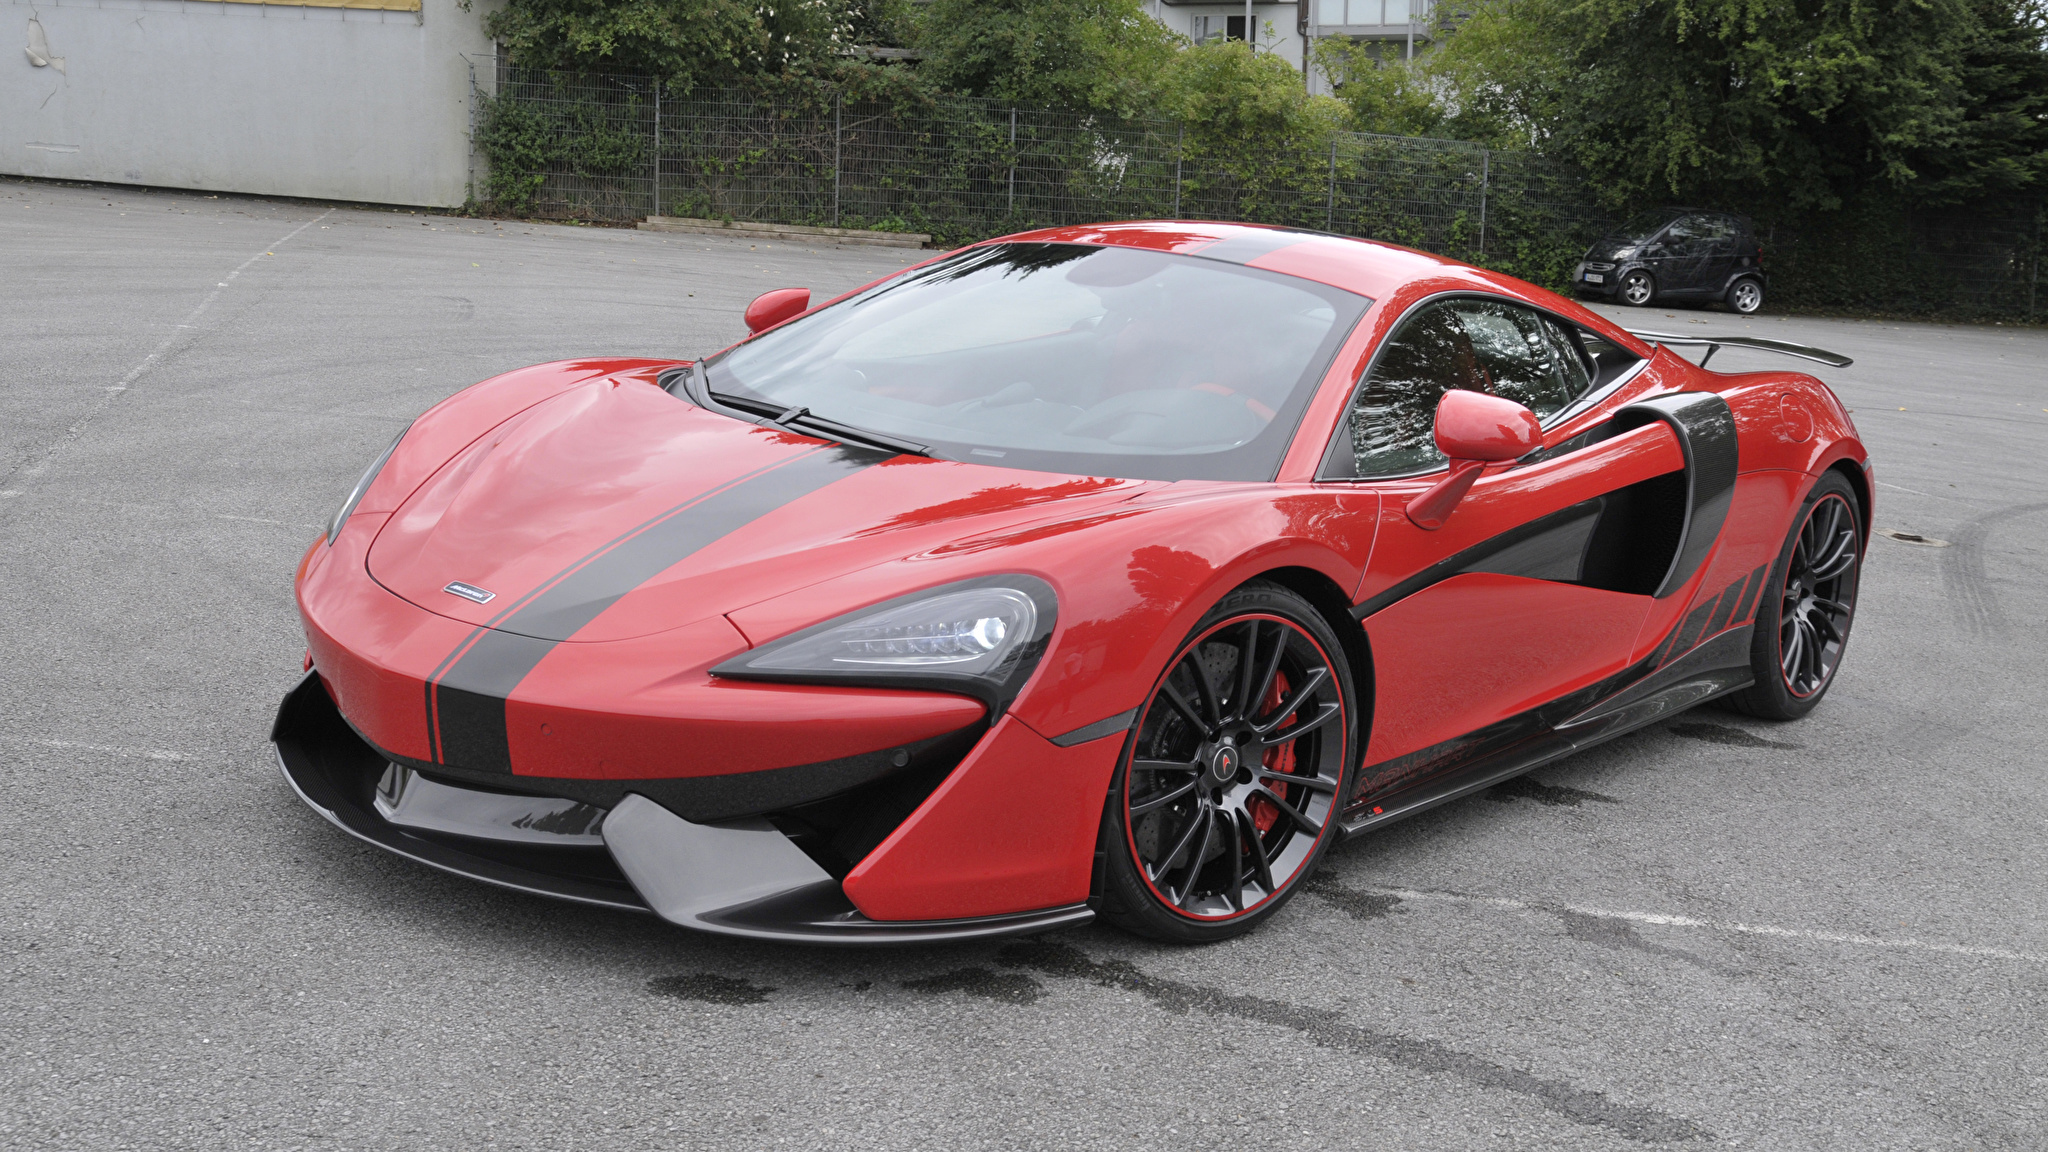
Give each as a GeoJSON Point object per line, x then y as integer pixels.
{"type": "Point", "coordinates": [1818, 598]}
{"type": "Point", "coordinates": [1802, 631]}
{"type": "Point", "coordinates": [1638, 289]}
{"type": "Point", "coordinates": [1746, 296]}
{"type": "Point", "coordinates": [1231, 786]}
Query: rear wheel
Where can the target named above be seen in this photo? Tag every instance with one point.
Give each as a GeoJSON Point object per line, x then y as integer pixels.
{"type": "Point", "coordinates": [1230, 790]}
{"type": "Point", "coordinates": [1802, 622]}
{"type": "Point", "coordinates": [1746, 296]}
{"type": "Point", "coordinates": [1637, 288]}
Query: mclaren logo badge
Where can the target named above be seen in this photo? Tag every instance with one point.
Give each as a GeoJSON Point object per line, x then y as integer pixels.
{"type": "Point", "coordinates": [470, 592]}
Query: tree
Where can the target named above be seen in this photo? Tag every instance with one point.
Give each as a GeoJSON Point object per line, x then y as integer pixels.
{"type": "Point", "coordinates": [2000, 143]}
{"type": "Point", "coordinates": [1243, 104]}
{"type": "Point", "coordinates": [1393, 97]}
{"type": "Point", "coordinates": [1090, 55]}
{"type": "Point", "coordinates": [682, 41]}
{"type": "Point", "coordinates": [1800, 103]}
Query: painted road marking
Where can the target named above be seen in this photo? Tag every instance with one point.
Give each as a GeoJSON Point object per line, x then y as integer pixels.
{"type": "Point", "coordinates": [117, 750]}
{"type": "Point", "coordinates": [36, 468]}
{"type": "Point", "coordinates": [1671, 921]}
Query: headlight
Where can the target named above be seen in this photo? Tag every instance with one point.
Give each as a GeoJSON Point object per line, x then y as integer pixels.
{"type": "Point", "coordinates": [355, 495]}
{"type": "Point", "coordinates": [981, 637]}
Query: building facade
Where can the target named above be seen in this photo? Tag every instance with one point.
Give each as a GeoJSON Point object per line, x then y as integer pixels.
{"type": "Point", "coordinates": [1397, 29]}
{"type": "Point", "coordinates": [365, 100]}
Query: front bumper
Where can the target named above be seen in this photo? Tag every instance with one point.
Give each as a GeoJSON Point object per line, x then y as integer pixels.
{"type": "Point", "coordinates": [1596, 281]}
{"type": "Point", "coordinates": [733, 877]}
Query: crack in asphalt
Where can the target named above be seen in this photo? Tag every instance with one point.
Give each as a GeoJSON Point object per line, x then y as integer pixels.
{"type": "Point", "coordinates": [1008, 987]}
{"type": "Point", "coordinates": [1327, 886]}
{"type": "Point", "coordinates": [1328, 1029]}
{"type": "Point", "coordinates": [1555, 795]}
{"type": "Point", "coordinates": [1725, 734]}
{"type": "Point", "coordinates": [709, 987]}
{"type": "Point", "coordinates": [1615, 932]}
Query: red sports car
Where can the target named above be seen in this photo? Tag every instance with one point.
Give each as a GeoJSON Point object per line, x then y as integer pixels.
{"type": "Point", "coordinates": [1102, 571]}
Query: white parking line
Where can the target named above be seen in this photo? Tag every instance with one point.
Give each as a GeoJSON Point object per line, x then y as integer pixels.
{"type": "Point", "coordinates": [1667, 920]}
{"type": "Point", "coordinates": [157, 355]}
{"type": "Point", "coordinates": [117, 750]}
{"type": "Point", "coordinates": [32, 470]}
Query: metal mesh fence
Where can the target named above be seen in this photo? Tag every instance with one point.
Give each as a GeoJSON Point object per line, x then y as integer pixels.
{"type": "Point", "coordinates": [960, 169]}
{"type": "Point", "coordinates": [609, 147]}
{"type": "Point", "coordinates": [1981, 262]}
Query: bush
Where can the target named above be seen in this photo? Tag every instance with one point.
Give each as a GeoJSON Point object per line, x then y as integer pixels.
{"type": "Point", "coordinates": [524, 138]}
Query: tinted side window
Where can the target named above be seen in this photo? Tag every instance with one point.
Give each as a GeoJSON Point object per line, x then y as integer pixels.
{"type": "Point", "coordinates": [1516, 355]}
{"type": "Point", "coordinates": [1685, 236]}
{"type": "Point", "coordinates": [1480, 345]}
{"type": "Point", "coordinates": [1703, 234]}
{"type": "Point", "coordinates": [1609, 360]}
{"type": "Point", "coordinates": [1574, 359]}
{"type": "Point", "coordinates": [1718, 233]}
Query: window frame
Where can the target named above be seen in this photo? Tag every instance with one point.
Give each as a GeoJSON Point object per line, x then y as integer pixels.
{"type": "Point", "coordinates": [1340, 440]}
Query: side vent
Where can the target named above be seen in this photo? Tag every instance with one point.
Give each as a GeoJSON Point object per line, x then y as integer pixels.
{"type": "Point", "coordinates": [1637, 537]}
{"type": "Point", "coordinates": [838, 832]}
{"type": "Point", "coordinates": [1706, 432]}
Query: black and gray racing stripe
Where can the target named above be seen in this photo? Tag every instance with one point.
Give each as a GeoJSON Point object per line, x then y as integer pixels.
{"type": "Point", "coordinates": [465, 696]}
{"type": "Point", "coordinates": [1705, 427]}
{"type": "Point", "coordinates": [1556, 546]}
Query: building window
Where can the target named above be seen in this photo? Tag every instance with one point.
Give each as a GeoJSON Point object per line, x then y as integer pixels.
{"type": "Point", "coordinates": [1372, 12]}
{"type": "Point", "coordinates": [1207, 28]}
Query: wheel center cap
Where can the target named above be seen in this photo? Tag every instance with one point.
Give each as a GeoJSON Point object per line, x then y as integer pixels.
{"type": "Point", "coordinates": [1223, 764]}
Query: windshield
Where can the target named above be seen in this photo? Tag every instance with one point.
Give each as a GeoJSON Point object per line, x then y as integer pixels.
{"type": "Point", "coordinates": [1641, 226]}
{"type": "Point", "coordinates": [1101, 361]}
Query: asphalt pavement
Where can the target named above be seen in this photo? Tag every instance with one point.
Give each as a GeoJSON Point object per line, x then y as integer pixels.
{"type": "Point", "coordinates": [1831, 934]}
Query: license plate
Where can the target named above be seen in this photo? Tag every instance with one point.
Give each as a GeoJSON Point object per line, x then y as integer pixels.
{"type": "Point", "coordinates": [1595, 278]}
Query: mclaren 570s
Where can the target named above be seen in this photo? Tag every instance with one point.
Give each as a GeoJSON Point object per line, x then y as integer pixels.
{"type": "Point", "coordinates": [1106, 571]}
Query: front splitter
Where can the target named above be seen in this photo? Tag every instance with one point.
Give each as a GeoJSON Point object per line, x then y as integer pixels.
{"type": "Point", "coordinates": [733, 878]}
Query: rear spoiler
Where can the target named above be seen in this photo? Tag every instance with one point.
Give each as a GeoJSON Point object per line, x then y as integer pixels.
{"type": "Point", "coordinates": [1716, 343]}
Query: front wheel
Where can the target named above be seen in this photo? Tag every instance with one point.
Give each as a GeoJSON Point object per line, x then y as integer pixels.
{"type": "Point", "coordinates": [1746, 296]}
{"type": "Point", "coordinates": [1802, 621]}
{"type": "Point", "coordinates": [1230, 790]}
{"type": "Point", "coordinates": [1638, 289]}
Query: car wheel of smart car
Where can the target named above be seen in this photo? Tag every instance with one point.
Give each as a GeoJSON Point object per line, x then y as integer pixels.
{"type": "Point", "coordinates": [1638, 289]}
{"type": "Point", "coordinates": [1802, 622]}
{"type": "Point", "coordinates": [1231, 786]}
{"type": "Point", "coordinates": [1746, 296]}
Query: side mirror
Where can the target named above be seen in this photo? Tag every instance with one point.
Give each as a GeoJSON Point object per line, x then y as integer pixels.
{"type": "Point", "coordinates": [772, 308]}
{"type": "Point", "coordinates": [1474, 430]}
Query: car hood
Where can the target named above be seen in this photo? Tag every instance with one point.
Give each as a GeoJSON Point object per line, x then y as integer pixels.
{"type": "Point", "coordinates": [1606, 247]}
{"type": "Point", "coordinates": [616, 510]}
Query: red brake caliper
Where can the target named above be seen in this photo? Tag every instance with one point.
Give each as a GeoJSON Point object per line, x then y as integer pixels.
{"type": "Point", "coordinates": [1279, 759]}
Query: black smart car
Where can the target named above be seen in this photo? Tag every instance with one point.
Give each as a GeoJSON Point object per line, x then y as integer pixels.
{"type": "Point", "coordinates": [1676, 254]}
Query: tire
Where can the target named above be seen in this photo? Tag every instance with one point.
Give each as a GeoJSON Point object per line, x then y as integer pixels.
{"type": "Point", "coordinates": [1802, 623]}
{"type": "Point", "coordinates": [1638, 289]}
{"type": "Point", "coordinates": [1746, 296]}
{"type": "Point", "coordinates": [1219, 811]}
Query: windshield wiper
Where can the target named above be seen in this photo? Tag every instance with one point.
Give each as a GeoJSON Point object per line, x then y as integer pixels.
{"type": "Point", "coordinates": [801, 420]}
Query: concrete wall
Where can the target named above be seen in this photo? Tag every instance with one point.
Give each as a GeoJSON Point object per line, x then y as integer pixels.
{"type": "Point", "coordinates": [334, 103]}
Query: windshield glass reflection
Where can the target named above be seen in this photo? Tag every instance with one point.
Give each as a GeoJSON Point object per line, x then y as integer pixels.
{"type": "Point", "coordinates": [1064, 357]}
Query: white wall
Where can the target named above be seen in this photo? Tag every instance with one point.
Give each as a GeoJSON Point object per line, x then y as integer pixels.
{"type": "Point", "coordinates": [333, 103]}
{"type": "Point", "coordinates": [1276, 25]}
